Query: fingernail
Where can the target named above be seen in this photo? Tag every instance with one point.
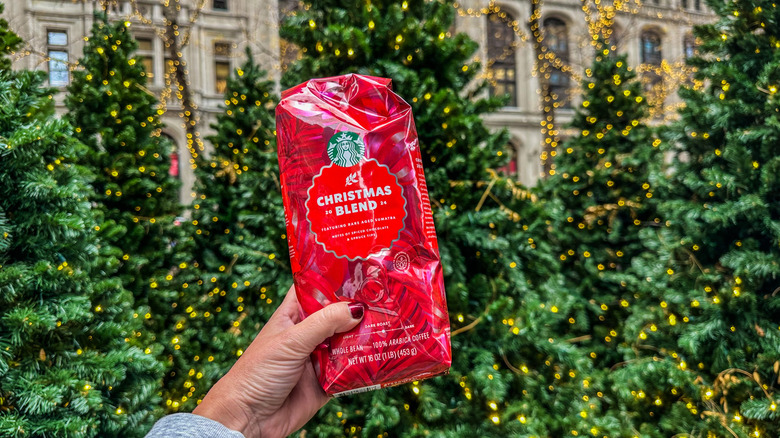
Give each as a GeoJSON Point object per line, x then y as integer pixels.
{"type": "Point", "coordinates": [356, 309]}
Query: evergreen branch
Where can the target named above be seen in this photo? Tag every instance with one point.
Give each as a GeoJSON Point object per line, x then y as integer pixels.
{"type": "Point", "coordinates": [484, 195]}
{"type": "Point", "coordinates": [509, 365]}
{"type": "Point", "coordinates": [262, 253]}
{"type": "Point", "coordinates": [235, 330]}
{"type": "Point", "coordinates": [722, 375]}
{"type": "Point", "coordinates": [649, 347]}
{"type": "Point", "coordinates": [596, 211]}
{"type": "Point", "coordinates": [722, 422]}
{"type": "Point", "coordinates": [695, 261]}
{"type": "Point", "coordinates": [626, 362]}
{"type": "Point", "coordinates": [276, 182]}
{"type": "Point", "coordinates": [580, 339]}
{"type": "Point", "coordinates": [228, 170]}
{"type": "Point", "coordinates": [233, 261]}
{"type": "Point", "coordinates": [468, 327]}
{"type": "Point", "coordinates": [503, 207]}
{"type": "Point", "coordinates": [520, 193]}
{"type": "Point", "coordinates": [478, 320]}
{"type": "Point", "coordinates": [145, 90]}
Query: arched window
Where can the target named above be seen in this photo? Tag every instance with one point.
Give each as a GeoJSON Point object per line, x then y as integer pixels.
{"type": "Point", "coordinates": [510, 169]}
{"type": "Point", "coordinates": [689, 46]}
{"type": "Point", "coordinates": [502, 65]}
{"type": "Point", "coordinates": [174, 155]}
{"type": "Point", "coordinates": [556, 38]}
{"type": "Point", "coordinates": [651, 47]}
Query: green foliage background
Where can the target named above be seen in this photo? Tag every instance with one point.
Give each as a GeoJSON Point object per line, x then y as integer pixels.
{"type": "Point", "coordinates": [66, 368]}
{"type": "Point", "coordinates": [633, 292]}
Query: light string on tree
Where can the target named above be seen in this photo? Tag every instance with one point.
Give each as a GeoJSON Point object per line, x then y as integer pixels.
{"type": "Point", "coordinates": [672, 76]}
{"type": "Point", "coordinates": [175, 38]}
{"type": "Point", "coordinates": [599, 17]}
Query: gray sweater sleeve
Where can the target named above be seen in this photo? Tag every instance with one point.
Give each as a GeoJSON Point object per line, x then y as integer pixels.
{"type": "Point", "coordinates": [190, 426]}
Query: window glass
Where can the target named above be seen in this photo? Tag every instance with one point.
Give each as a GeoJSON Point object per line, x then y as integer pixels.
{"type": "Point", "coordinates": [689, 46]}
{"type": "Point", "coordinates": [510, 169]}
{"type": "Point", "coordinates": [221, 66]}
{"type": "Point", "coordinates": [146, 53]}
{"type": "Point", "coordinates": [651, 47]}
{"type": "Point", "coordinates": [173, 170]}
{"type": "Point", "coordinates": [652, 57]}
{"type": "Point", "coordinates": [56, 38]}
{"type": "Point", "coordinates": [221, 49]}
{"type": "Point", "coordinates": [57, 51]}
{"type": "Point", "coordinates": [59, 75]}
{"type": "Point", "coordinates": [222, 72]}
{"type": "Point", "coordinates": [145, 45]}
{"type": "Point", "coordinates": [556, 38]}
{"type": "Point", "coordinates": [148, 62]}
{"type": "Point", "coordinates": [501, 56]}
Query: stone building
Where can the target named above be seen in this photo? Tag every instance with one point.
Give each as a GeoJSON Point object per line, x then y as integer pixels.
{"type": "Point", "coordinates": [656, 36]}
{"type": "Point", "coordinates": [655, 33]}
{"type": "Point", "coordinates": [219, 31]}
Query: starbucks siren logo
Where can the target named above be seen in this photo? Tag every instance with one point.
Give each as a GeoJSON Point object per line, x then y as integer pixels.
{"type": "Point", "coordinates": [346, 149]}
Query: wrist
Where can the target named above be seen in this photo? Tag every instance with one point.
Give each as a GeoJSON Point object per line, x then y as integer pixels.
{"type": "Point", "coordinates": [227, 412]}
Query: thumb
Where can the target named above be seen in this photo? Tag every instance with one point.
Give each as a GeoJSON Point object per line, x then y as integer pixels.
{"type": "Point", "coordinates": [304, 337]}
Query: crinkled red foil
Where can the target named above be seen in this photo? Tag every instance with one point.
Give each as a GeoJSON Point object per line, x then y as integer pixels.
{"type": "Point", "coordinates": [405, 333]}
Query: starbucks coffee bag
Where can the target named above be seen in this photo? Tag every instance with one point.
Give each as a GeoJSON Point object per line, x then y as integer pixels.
{"type": "Point", "coordinates": [360, 229]}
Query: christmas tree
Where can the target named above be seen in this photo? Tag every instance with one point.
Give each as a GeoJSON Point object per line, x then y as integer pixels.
{"type": "Point", "coordinates": [239, 240]}
{"type": "Point", "coordinates": [707, 341]}
{"type": "Point", "coordinates": [596, 199]}
{"type": "Point", "coordinates": [411, 43]}
{"type": "Point", "coordinates": [9, 42]}
{"type": "Point", "coordinates": [118, 119]}
{"type": "Point", "coordinates": [66, 368]}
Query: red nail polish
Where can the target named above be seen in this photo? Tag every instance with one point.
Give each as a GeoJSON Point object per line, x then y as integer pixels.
{"type": "Point", "coordinates": [356, 309]}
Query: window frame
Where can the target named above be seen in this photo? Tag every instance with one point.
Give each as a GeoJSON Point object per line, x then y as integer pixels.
{"type": "Point", "coordinates": [147, 54]}
{"type": "Point", "coordinates": [689, 46]}
{"type": "Point", "coordinates": [559, 82]}
{"type": "Point", "coordinates": [53, 61]}
{"type": "Point", "coordinates": [175, 168]}
{"type": "Point", "coordinates": [222, 58]}
{"type": "Point", "coordinates": [511, 169]}
{"type": "Point", "coordinates": [653, 58]}
{"type": "Point", "coordinates": [656, 56]}
{"type": "Point", "coordinates": [503, 64]}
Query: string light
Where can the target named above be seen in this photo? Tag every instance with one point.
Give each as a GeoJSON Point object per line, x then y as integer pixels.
{"type": "Point", "coordinates": [550, 61]}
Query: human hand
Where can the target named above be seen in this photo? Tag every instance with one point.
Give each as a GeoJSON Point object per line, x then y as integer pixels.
{"type": "Point", "coordinates": [272, 390]}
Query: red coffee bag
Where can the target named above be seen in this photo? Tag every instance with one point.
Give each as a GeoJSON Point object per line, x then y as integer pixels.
{"type": "Point", "coordinates": [360, 229]}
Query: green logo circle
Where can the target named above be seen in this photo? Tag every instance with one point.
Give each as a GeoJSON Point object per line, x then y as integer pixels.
{"type": "Point", "coordinates": [346, 149]}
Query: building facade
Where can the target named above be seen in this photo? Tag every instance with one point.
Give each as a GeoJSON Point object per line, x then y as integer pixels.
{"type": "Point", "coordinates": [655, 35]}
{"type": "Point", "coordinates": [217, 34]}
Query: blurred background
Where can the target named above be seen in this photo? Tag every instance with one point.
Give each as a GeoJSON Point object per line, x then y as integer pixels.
{"type": "Point", "coordinates": [602, 175]}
